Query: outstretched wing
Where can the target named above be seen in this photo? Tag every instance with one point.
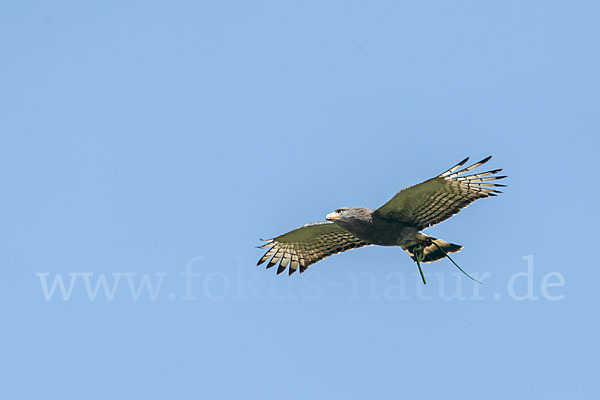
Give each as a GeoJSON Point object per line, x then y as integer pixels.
{"type": "Point", "coordinates": [439, 198]}
{"type": "Point", "coordinates": [307, 245]}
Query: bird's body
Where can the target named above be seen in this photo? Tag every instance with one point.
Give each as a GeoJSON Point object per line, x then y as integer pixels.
{"type": "Point", "coordinates": [373, 229]}
{"type": "Point", "coordinates": [399, 222]}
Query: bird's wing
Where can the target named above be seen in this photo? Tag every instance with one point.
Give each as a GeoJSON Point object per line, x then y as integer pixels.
{"type": "Point", "coordinates": [439, 198]}
{"type": "Point", "coordinates": [307, 245]}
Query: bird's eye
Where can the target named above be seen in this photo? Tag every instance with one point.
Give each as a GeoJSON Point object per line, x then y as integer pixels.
{"type": "Point", "coordinates": [339, 211]}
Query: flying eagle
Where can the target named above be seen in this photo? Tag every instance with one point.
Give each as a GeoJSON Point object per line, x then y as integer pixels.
{"type": "Point", "coordinates": [398, 222]}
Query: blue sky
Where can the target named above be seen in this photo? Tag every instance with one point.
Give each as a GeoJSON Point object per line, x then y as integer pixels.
{"type": "Point", "coordinates": [144, 139]}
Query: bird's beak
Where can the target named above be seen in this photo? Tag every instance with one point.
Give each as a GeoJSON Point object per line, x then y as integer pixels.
{"type": "Point", "coordinates": [332, 216]}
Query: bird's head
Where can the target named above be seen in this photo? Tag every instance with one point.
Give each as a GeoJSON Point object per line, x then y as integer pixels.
{"type": "Point", "coordinates": [349, 215]}
{"type": "Point", "coordinates": [337, 214]}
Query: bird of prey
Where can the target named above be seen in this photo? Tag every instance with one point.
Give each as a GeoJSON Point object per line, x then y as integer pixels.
{"type": "Point", "coordinates": [398, 222]}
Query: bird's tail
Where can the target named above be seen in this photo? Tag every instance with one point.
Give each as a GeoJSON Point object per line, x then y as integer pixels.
{"type": "Point", "coordinates": [432, 249]}
{"type": "Point", "coordinates": [425, 248]}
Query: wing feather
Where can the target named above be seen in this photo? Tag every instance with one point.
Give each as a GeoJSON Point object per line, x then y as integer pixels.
{"type": "Point", "coordinates": [439, 198]}
{"type": "Point", "coordinates": [308, 244]}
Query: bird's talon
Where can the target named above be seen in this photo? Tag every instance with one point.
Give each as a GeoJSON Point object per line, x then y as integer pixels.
{"type": "Point", "coordinates": [418, 252]}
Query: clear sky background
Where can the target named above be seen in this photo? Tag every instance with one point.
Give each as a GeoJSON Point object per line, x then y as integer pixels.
{"type": "Point", "coordinates": [140, 137]}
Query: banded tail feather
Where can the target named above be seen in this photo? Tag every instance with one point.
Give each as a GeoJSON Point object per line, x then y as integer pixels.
{"type": "Point", "coordinates": [433, 248]}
